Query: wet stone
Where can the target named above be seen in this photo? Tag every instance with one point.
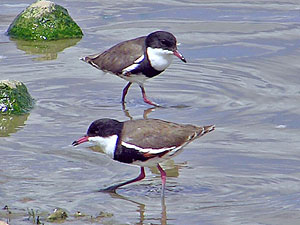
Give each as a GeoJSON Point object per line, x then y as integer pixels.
{"type": "Point", "coordinates": [44, 20]}
{"type": "Point", "coordinates": [58, 215]}
{"type": "Point", "coordinates": [14, 98]}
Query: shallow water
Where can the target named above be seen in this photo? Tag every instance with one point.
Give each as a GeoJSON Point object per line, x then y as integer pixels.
{"type": "Point", "coordinates": [242, 75]}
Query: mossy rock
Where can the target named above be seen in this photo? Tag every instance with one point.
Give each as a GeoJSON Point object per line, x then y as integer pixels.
{"type": "Point", "coordinates": [59, 215]}
{"type": "Point", "coordinates": [14, 98]}
{"type": "Point", "coordinates": [44, 20]}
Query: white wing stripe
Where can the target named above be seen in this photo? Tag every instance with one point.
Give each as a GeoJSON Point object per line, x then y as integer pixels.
{"type": "Point", "coordinates": [140, 59]}
{"type": "Point", "coordinates": [134, 65]}
{"type": "Point", "coordinates": [147, 150]}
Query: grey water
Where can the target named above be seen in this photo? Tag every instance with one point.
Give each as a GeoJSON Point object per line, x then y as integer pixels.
{"type": "Point", "coordinates": [242, 75]}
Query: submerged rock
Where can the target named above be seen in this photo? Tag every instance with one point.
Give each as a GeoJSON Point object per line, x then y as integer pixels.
{"type": "Point", "coordinates": [58, 215]}
{"type": "Point", "coordinates": [14, 98]}
{"type": "Point", "coordinates": [44, 20]}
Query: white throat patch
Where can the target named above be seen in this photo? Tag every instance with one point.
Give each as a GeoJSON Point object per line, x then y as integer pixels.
{"type": "Point", "coordinates": [108, 144]}
{"type": "Point", "coordinates": [159, 59]}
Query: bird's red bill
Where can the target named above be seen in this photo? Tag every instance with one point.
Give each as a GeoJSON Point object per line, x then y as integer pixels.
{"type": "Point", "coordinates": [179, 55]}
{"type": "Point", "coordinates": [81, 140]}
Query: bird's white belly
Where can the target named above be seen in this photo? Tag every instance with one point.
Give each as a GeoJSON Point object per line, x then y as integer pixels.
{"type": "Point", "coordinates": [135, 78]}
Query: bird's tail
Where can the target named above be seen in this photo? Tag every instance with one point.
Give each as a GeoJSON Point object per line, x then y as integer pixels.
{"type": "Point", "coordinates": [90, 60]}
{"type": "Point", "coordinates": [205, 130]}
{"type": "Point", "coordinates": [86, 59]}
{"type": "Point", "coordinates": [83, 59]}
{"type": "Point", "coordinates": [200, 131]}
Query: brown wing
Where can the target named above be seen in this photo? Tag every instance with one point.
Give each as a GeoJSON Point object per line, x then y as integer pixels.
{"type": "Point", "coordinates": [156, 134]}
{"type": "Point", "coordinates": [119, 56]}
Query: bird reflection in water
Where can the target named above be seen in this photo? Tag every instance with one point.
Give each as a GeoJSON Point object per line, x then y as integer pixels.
{"type": "Point", "coordinates": [142, 208]}
{"type": "Point", "coordinates": [145, 114]}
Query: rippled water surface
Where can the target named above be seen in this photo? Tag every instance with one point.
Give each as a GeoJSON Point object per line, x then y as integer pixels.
{"type": "Point", "coordinates": [242, 75]}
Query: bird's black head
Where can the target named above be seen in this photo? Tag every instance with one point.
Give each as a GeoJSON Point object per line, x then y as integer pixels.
{"type": "Point", "coordinates": [105, 128]}
{"type": "Point", "coordinates": [164, 40]}
{"type": "Point", "coordinates": [161, 39]}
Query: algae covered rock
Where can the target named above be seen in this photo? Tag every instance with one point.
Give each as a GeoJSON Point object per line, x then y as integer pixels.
{"type": "Point", "coordinates": [59, 215]}
{"type": "Point", "coordinates": [14, 98]}
{"type": "Point", "coordinates": [44, 20]}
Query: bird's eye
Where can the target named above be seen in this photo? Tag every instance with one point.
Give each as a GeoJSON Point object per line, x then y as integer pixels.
{"type": "Point", "coordinates": [165, 42]}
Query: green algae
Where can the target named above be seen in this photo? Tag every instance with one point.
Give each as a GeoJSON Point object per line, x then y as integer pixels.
{"type": "Point", "coordinates": [14, 98]}
{"type": "Point", "coordinates": [44, 20]}
{"type": "Point", "coordinates": [59, 215]}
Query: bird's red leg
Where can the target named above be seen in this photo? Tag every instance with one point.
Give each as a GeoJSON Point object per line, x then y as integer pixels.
{"type": "Point", "coordinates": [163, 180]}
{"type": "Point", "coordinates": [114, 187]}
{"type": "Point", "coordinates": [145, 97]}
{"type": "Point", "coordinates": [125, 90]}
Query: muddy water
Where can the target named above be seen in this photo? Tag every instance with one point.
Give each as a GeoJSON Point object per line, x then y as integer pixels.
{"type": "Point", "coordinates": [242, 75]}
